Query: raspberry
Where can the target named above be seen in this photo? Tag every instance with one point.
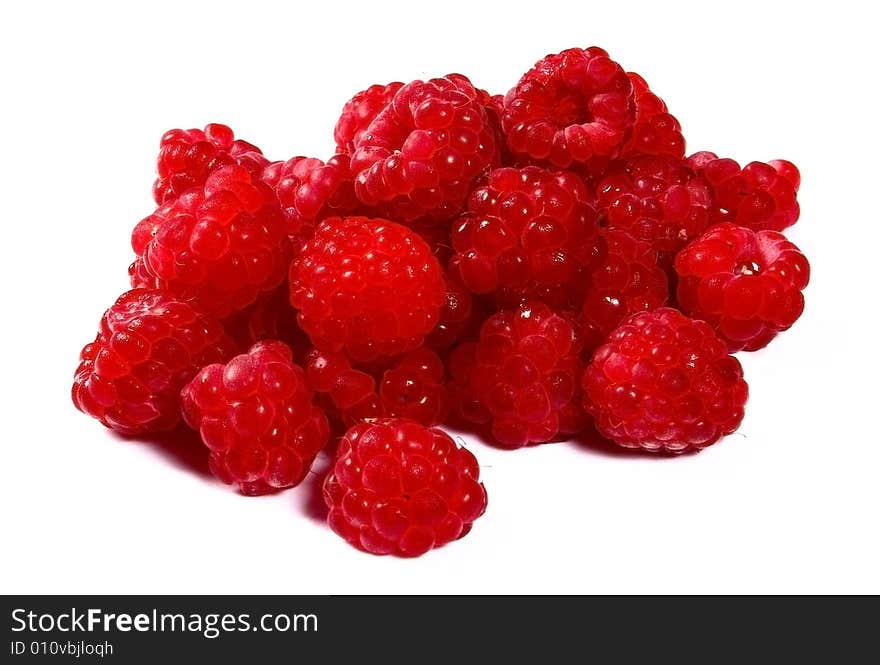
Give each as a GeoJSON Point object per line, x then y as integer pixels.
{"type": "Point", "coordinates": [521, 377]}
{"type": "Point", "coordinates": [399, 488]}
{"type": "Point", "coordinates": [758, 196]}
{"type": "Point", "coordinates": [139, 277]}
{"type": "Point", "coordinates": [310, 190]}
{"type": "Point", "coordinates": [368, 286]}
{"type": "Point", "coordinates": [188, 156]}
{"type": "Point", "coordinates": [746, 284]}
{"type": "Point", "coordinates": [526, 229]}
{"type": "Point", "coordinates": [421, 152]}
{"type": "Point", "coordinates": [220, 246]}
{"type": "Point", "coordinates": [655, 198]}
{"type": "Point", "coordinates": [664, 382]}
{"type": "Point", "coordinates": [628, 280]}
{"type": "Point", "coordinates": [359, 112]}
{"type": "Point", "coordinates": [570, 107]}
{"type": "Point", "coordinates": [257, 417]}
{"type": "Point", "coordinates": [148, 346]}
{"type": "Point", "coordinates": [459, 315]}
{"type": "Point", "coordinates": [656, 131]}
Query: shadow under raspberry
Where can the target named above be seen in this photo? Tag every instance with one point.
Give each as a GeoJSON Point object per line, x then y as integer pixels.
{"type": "Point", "coordinates": [181, 447]}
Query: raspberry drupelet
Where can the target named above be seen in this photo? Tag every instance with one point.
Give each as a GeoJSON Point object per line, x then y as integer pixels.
{"type": "Point", "coordinates": [655, 198]}
{"type": "Point", "coordinates": [525, 230]}
{"type": "Point", "coordinates": [521, 378]}
{"type": "Point", "coordinates": [359, 112]}
{"type": "Point", "coordinates": [220, 245]}
{"type": "Point", "coordinates": [397, 487]}
{"type": "Point", "coordinates": [758, 196]}
{"type": "Point", "coordinates": [257, 417]}
{"type": "Point", "coordinates": [655, 131]}
{"type": "Point", "coordinates": [148, 346]}
{"type": "Point", "coordinates": [571, 107]}
{"type": "Point", "coordinates": [627, 280]}
{"type": "Point", "coordinates": [746, 284]}
{"type": "Point", "coordinates": [420, 154]}
{"type": "Point", "coordinates": [269, 317]}
{"type": "Point", "coordinates": [459, 315]}
{"type": "Point", "coordinates": [369, 287]}
{"type": "Point", "coordinates": [188, 156]}
{"type": "Point", "coordinates": [664, 382]}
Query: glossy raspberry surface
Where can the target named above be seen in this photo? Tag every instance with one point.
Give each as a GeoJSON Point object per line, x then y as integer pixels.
{"type": "Point", "coordinates": [188, 156]}
{"type": "Point", "coordinates": [220, 245]}
{"type": "Point", "coordinates": [658, 199]}
{"type": "Point", "coordinates": [359, 112]}
{"type": "Point", "coordinates": [627, 280]}
{"type": "Point", "coordinates": [664, 382]}
{"type": "Point", "coordinates": [655, 131]}
{"type": "Point", "coordinates": [525, 230]}
{"type": "Point", "coordinates": [421, 152]}
{"type": "Point", "coordinates": [758, 196]}
{"type": "Point", "coordinates": [257, 417]}
{"type": "Point", "coordinates": [746, 284]}
{"type": "Point", "coordinates": [521, 378]}
{"type": "Point", "coordinates": [570, 107]}
{"type": "Point", "coordinates": [399, 488]}
{"type": "Point", "coordinates": [148, 346]}
{"type": "Point", "coordinates": [368, 286]}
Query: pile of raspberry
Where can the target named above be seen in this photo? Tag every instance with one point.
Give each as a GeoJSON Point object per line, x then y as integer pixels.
{"type": "Point", "coordinates": [526, 267]}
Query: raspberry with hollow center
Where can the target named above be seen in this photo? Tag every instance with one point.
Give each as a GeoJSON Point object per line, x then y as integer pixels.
{"type": "Point", "coordinates": [148, 346]}
{"type": "Point", "coordinates": [521, 378]}
{"type": "Point", "coordinates": [359, 112]}
{"type": "Point", "coordinates": [655, 131]}
{"type": "Point", "coordinates": [220, 245]}
{"type": "Point", "coordinates": [746, 284]}
{"type": "Point", "coordinates": [758, 196]}
{"type": "Point", "coordinates": [367, 286]}
{"type": "Point", "coordinates": [655, 198]}
{"type": "Point", "coordinates": [573, 106]}
{"type": "Point", "coordinates": [188, 156]}
{"type": "Point", "coordinates": [257, 417]}
{"type": "Point", "coordinates": [526, 229]}
{"type": "Point", "coordinates": [421, 152]}
{"type": "Point", "coordinates": [397, 487]}
{"type": "Point", "coordinates": [664, 382]}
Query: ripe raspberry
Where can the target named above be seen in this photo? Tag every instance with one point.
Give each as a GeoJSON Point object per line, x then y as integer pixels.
{"type": "Point", "coordinates": [664, 382]}
{"type": "Point", "coordinates": [148, 346]}
{"type": "Point", "coordinates": [359, 112]}
{"type": "Point", "coordinates": [524, 230]}
{"type": "Point", "coordinates": [655, 198]}
{"type": "Point", "coordinates": [220, 246]}
{"type": "Point", "coordinates": [188, 156]}
{"type": "Point", "coordinates": [400, 488]}
{"type": "Point", "coordinates": [656, 131]}
{"type": "Point", "coordinates": [570, 107]}
{"type": "Point", "coordinates": [758, 196]}
{"type": "Point", "coordinates": [746, 284]}
{"type": "Point", "coordinates": [421, 152]}
{"type": "Point", "coordinates": [368, 286]}
{"type": "Point", "coordinates": [521, 377]}
{"type": "Point", "coordinates": [256, 415]}
{"type": "Point", "coordinates": [628, 280]}
{"type": "Point", "coordinates": [310, 190]}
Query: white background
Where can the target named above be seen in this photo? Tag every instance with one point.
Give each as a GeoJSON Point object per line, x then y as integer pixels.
{"type": "Point", "coordinates": [789, 504]}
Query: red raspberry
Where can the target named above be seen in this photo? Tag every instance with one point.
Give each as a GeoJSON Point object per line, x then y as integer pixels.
{"type": "Point", "coordinates": [220, 246]}
{"type": "Point", "coordinates": [310, 190]}
{"type": "Point", "coordinates": [524, 230]}
{"type": "Point", "coordinates": [257, 417]}
{"type": "Point", "coordinates": [655, 198]}
{"type": "Point", "coordinates": [368, 286]}
{"type": "Point", "coordinates": [628, 280]}
{"type": "Point", "coordinates": [149, 345]}
{"type": "Point", "coordinates": [188, 156]}
{"type": "Point", "coordinates": [758, 196]}
{"type": "Point", "coordinates": [331, 374]}
{"type": "Point", "coordinates": [399, 488]}
{"type": "Point", "coordinates": [664, 382]}
{"type": "Point", "coordinates": [139, 277]}
{"type": "Point", "coordinates": [459, 316]}
{"type": "Point", "coordinates": [656, 131]}
{"type": "Point", "coordinates": [359, 112]}
{"type": "Point", "coordinates": [746, 284]}
{"type": "Point", "coordinates": [421, 152]}
{"type": "Point", "coordinates": [570, 107]}
{"type": "Point", "coordinates": [521, 377]}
